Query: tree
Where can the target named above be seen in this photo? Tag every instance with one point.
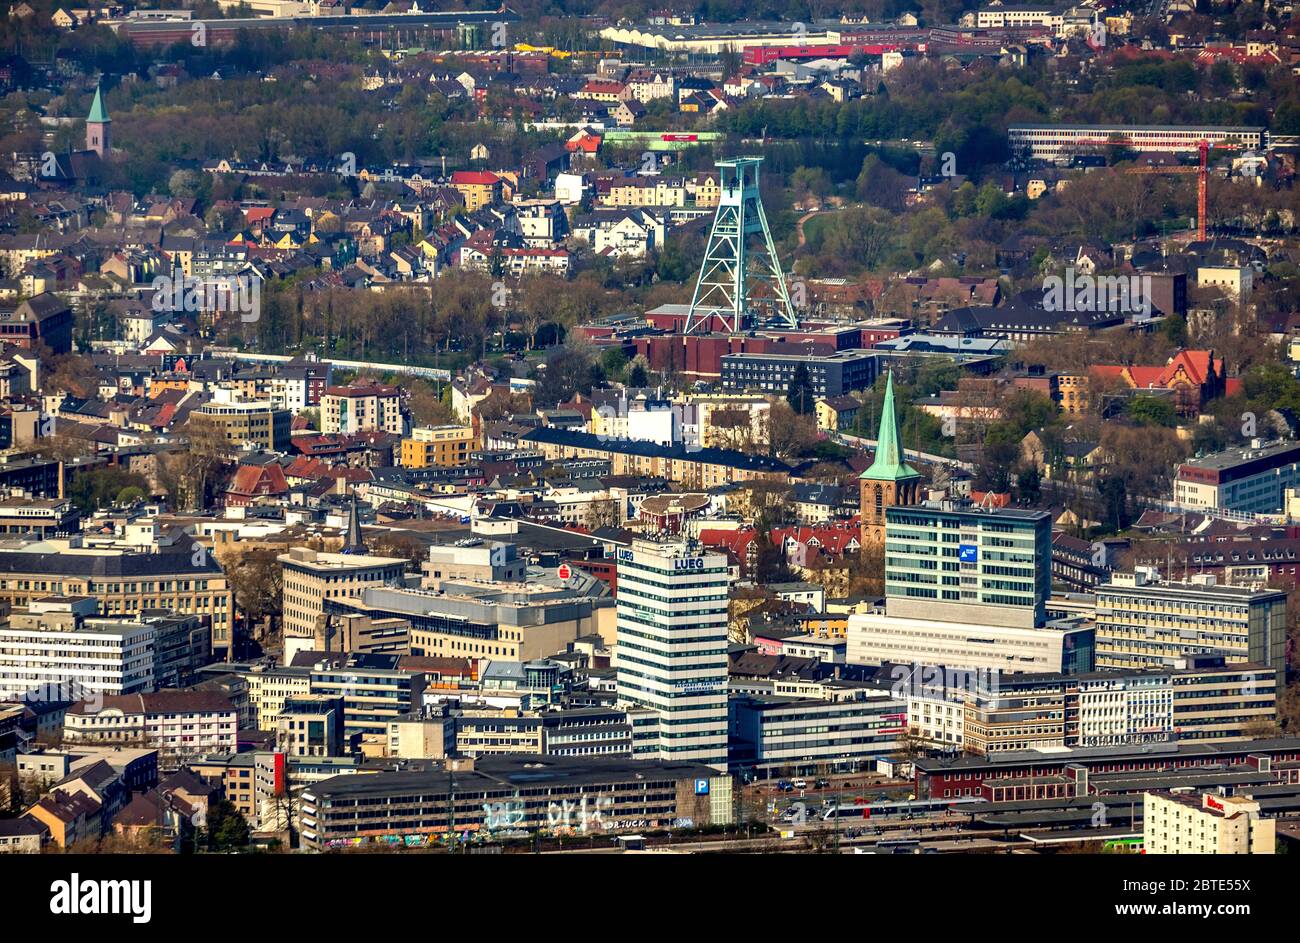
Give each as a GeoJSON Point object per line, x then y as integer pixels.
{"type": "Point", "coordinates": [1028, 485]}
{"type": "Point", "coordinates": [731, 427]}
{"type": "Point", "coordinates": [429, 407]}
{"type": "Point", "coordinates": [570, 370]}
{"type": "Point", "coordinates": [95, 489]}
{"type": "Point", "coordinates": [613, 361]}
{"type": "Point", "coordinates": [1114, 502]}
{"type": "Point", "coordinates": [1151, 411]}
{"type": "Point", "coordinates": [800, 393]}
{"type": "Point", "coordinates": [256, 579]}
{"type": "Point", "coordinates": [226, 829]}
{"type": "Point", "coordinates": [787, 433]}
{"type": "Point", "coordinates": [501, 403]}
{"type": "Point", "coordinates": [190, 473]}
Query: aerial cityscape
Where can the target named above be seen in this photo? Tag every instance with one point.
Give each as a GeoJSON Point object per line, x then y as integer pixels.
{"type": "Point", "coordinates": [573, 427]}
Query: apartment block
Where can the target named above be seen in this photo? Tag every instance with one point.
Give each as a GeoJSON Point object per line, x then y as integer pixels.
{"type": "Point", "coordinates": [246, 424]}
{"type": "Point", "coordinates": [176, 723]}
{"type": "Point", "coordinates": [437, 446]}
{"type": "Point", "coordinates": [362, 407]}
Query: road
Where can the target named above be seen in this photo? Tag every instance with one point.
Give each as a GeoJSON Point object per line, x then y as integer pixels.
{"type": "Point", "coordinates": [803, 219]}
{"type": "Point", "coordinates": [854, 441]}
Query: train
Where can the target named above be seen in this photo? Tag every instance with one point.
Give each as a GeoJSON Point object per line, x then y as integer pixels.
{"type": "Point", "coordinates": [901, 808]}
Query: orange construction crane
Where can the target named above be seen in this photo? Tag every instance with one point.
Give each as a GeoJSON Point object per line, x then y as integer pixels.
{"type": "Point", "coordinates": [1202, 182]}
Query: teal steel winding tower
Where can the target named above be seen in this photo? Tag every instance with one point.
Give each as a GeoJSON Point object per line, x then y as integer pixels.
{"type": "Point", "coordinates": [730, 264]}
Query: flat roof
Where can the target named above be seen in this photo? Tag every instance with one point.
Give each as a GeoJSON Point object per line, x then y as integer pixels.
{"type": "Point", "coordinates": [1153, 751]}
{"type": "Point", "coordinates": [513, 772]}
{"type": "Point", "coordinates": [1136, 127]}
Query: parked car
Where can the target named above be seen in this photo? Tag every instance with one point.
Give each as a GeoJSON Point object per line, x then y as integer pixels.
{"type": "Point", "coordinates": [785, 785]}
{"type": "Point", "coordinates": [800, 784]}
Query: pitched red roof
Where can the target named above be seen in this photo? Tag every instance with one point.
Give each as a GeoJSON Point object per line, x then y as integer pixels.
{"type": "Point", "coordinates": [252, 480]}
{"type": "Point", "coordinates": [470, 178]}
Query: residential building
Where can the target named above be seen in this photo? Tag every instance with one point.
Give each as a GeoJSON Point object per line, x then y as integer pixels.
{"type": "Point", "coordinates": [177, 723]}
{"type": "Point", "coordinates": [634, 233]}
{"type": "Point", "coordinates": [245, 425]}
{"type": "Point", "coordinates": [692, 468]}
{"type": "Point", "coordinates": [43, 320]}
{"type": "Point", "coordinates": [477, 188]}
{"type": "Point", "coordinates": [362, 407]}
{"type": "Point", "coordinates": [441, 446]}
{"type": "Point", "coordinates": [27, 835]}
{"type": "Point", "coordinates": [542, 223]}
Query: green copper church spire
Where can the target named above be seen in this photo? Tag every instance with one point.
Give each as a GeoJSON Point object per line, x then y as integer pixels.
{"type": "Point", "coordinates": [98, 113]}
{"type": "Point", "coordinates": [889, 463]}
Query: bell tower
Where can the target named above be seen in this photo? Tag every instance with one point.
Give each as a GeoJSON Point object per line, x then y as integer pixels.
{"type": "Point", "coordinates": [890, 481]}
{"type": "Point", "coordinates": [97, 122]}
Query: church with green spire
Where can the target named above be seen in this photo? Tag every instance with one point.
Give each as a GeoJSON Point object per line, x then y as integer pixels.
{"type": "Point", "coordinates": [890, 481]}
{"type": "Point", "coordinates": [97, 123]}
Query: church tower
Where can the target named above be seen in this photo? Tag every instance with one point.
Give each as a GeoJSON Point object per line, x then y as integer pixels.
{"type": "Point", "coordinates": [890, 481]}
{"type": "Point", "coordinates": [97, 138]}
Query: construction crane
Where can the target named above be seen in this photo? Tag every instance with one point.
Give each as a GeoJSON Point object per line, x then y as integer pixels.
{"type": "Point", "coordinates": [1202, 182]}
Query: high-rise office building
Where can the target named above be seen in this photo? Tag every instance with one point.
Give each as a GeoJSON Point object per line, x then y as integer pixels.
{"type": "Point", "coordinates": [672, 650]}
{"type": "Point", "coordinates": [968, 564]}
{"type": "Point", "coordinates": [966, 587]}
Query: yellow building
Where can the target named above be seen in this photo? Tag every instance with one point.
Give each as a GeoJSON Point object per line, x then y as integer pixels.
{"type": "Point", "coordinates": [246, 424]}
{"type": "Point", "coordinates": [707, 190]}
{"type": "Point", "coordinates": [311, 578]}
{"type": "Point", "coordinates": [691, 469]}
{"type": "Point", "coordinates": [1191, 824]}
{"type": "Point", "coordinates": [125, 583]}
{"type": "Point", "coordinates": [1074, 392]}
{"type": "Point", "coordinates": [478, 188]}
{"type": "Point", "coordinates": [647, 191]}
{"type": "Point", "coordinates": [440, 446]}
